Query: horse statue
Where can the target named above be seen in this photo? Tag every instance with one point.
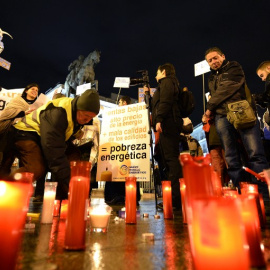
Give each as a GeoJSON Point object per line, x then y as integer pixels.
{"type": "Point", "coordinates": [81, 71]}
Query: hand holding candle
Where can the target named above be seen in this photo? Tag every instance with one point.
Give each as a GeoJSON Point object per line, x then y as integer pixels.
{"type": "Point", "coordinates": [258, 176]}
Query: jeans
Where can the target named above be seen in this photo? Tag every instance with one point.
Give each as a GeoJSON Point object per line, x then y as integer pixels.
{"type": "Point", "coordinates": [251, 139]}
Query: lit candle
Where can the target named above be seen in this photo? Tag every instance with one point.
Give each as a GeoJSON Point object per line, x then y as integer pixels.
{"type": "Point", "coordinates": [56, 208]}
{"type": "Point", "coordinates": [99, 218]}
{"type": "Point", "coordinates": [14, 201]}
{"type": "Point", "coordinates": [63, 209]}
{"type": "Point", "coordinates": [24, 177]}
{"type": "Point", "coordinates": [48, 202]}
{"type": "Point", "coordinates": [167, 199]}
{"type": "Point", "coordinates": [130, 205]}
{"type": "Point", "coordinates": [183, 193]}
{"type": "Point", "coordinates": [77, 205]}
{"type": "Point", "coordinates": [217, 237]}
{"type": "Point", "coordinates": [253, 233]}
{"type": "Point", "coordinates": [216, 181]}
{"type": "Point", "coordinates": [197, 175]}
{"type": "Point", "coordinates": [230, 192]}
{"type": "Point", "coordinates": [248, 188]}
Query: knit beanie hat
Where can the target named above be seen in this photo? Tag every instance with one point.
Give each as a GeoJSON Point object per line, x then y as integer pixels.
{"type": "Point", "coordinates": [89, 101]}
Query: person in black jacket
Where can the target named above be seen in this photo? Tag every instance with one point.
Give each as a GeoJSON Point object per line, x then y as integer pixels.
{"type": "Point", "coordinates": [263, 71]}
{"type": "Point", "coordinates": [166, 120]}
{"type": "Point", "coordinates": [227, 84]}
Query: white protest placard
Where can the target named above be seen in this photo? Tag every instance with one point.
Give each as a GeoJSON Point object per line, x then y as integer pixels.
{"type": "Point", "coordinates": [124, 148]}
{"type": "Point", "coordinates": [7, 95]}
{"type": "Point", "coordinates": [122, 82]}
{"type": "Point", "coordinates": [41, 100]}
{"type": "Point", "coordinates": [201, 68]}
{"type": "Point", "coordinates": [82, 88]}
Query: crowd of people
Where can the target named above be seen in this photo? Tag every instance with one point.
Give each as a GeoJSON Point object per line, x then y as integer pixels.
{"type": "Point", "coordinates": [42, 139]}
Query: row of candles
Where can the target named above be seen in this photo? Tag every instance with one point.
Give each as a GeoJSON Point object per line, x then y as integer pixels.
{"type": "Point", "coordinates": [224, 227]}
{"type": "Point", "coordinates": [14, 201]}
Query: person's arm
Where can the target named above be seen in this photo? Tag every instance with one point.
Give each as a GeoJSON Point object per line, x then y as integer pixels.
{"type": "Point", "coordinates": [53, 125]}
{"type": "Point", "coordinates": [230, 82]}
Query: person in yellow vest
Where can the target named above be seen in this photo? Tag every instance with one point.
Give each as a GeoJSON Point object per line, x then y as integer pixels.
{"type": "Point", "coordinates": [41, 137]}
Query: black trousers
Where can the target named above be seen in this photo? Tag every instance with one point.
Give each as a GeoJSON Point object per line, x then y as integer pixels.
{"type": "Point", "coordinates": [169, 143]}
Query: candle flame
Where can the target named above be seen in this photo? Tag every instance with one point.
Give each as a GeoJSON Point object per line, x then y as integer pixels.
{"type": "Point", "coordinates": [3, 188]}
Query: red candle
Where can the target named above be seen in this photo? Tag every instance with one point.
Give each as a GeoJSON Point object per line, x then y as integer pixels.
{"type": "Point", "coordinates": [216, 181]}
{"type": "Point", "coordinates": [14, 201]}
{"type": "Point", "coordinates": [197, 175]}
{"type": "Point", "coordinates": [262, 207]}
{"type": "Point", "coordinates": [248, 188]}
{"type": "Point", "coordinates": [253, 233]}
{"type": "Point", "coordinates": [183, 194]}
{"type": "Point", "coordinates": [230, 192]}
{"type": "Point", "coordinates": [167, 199]}
{"type": "Point", "coordinates": [217, 237]}
{"type": "Point", "coordinates": [63, 209]}
{"type": "Point", "coordinates": [253, 173]}
{"type": "Point", "coordinates": [131, 190]}
{"type": "Point", "coordinates": [56, 208]}
{"type": "Point", "coordinates": [77, 205]}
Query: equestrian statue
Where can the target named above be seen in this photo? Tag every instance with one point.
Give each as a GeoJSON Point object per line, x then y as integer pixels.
{"type": "Point", "coordinates": [81, 72]}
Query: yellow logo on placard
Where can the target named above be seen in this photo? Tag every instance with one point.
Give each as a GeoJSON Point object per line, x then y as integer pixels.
{"type": "Point", "coordinates": [124, 170]}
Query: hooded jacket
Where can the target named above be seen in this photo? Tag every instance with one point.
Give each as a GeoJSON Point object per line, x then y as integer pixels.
{"type": "Point", "coordinates": [226, 85]}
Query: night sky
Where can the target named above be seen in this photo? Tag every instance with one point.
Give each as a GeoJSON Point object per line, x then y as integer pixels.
{"type": "Point", "coordinates": [131, 35]}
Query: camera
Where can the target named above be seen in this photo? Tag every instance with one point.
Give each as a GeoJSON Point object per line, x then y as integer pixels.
{"type": "Point", "coordinates": [144, 80]}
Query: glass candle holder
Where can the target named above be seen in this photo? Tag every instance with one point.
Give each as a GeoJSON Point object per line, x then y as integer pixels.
{"type": "Point", "coordinates": [130, 204]}
{"type": "Point", "coordinates": [197, 175]}
{"type": "Point", "coordinates": [230, 192]}
{"type": "Point", "coordinates": [77, 205]}
{"type": "Point", "coordinates": [216, 182]}
{"type": "Point", "coordinates": [14, 202]}
{"type": "Point", "coordinates": [217, 235]}
{"type": "Point", "coordinates": [48, 202]}
{"type": "Point", "coordinates": [24, 177]}
{"type": "Point", "coordinates": [253, 233]}
{"type": "Point", "coordinates": [249, 188]}
{"type": "Point", "coordinates": [183, 194]}
{"type": "Point", "coordinates": [63, 209]}
{"type": "Point", "coordinates": [99, 218]}
{"type": "Point", "coordinates": [56, 208]}
{"type": "Point", "coordinates": [167, 199]}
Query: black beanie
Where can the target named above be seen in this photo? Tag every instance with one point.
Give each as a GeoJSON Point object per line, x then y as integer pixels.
{"type": "Point", "coordinates": [89, 101]}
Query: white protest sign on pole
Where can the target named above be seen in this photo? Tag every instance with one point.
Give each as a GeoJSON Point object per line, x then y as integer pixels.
{"type": "Point", "coordinates": [124, 148]}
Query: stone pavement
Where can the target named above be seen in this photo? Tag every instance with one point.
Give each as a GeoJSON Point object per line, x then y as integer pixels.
{"type": "Point", "coordinates": [122, 247]}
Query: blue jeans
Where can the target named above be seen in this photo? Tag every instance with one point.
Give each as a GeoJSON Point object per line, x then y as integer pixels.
{"type": "Point", "coordinates": [251, 140]}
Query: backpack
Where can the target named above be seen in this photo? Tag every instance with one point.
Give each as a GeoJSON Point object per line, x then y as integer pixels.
{"type": "Point", "coordinates": [186, 102]}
